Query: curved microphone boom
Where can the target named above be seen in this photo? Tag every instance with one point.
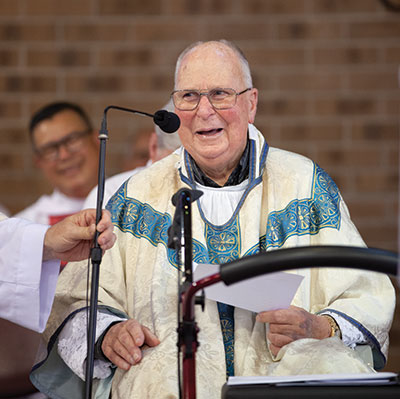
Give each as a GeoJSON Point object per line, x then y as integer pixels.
{"type": "Point", "coordinates": [167, 121]}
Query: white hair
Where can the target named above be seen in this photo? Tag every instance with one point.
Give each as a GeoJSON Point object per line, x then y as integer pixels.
{"type": "Point", "coordinates": [242, 59]}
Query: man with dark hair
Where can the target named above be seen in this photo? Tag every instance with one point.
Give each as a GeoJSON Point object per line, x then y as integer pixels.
{"type": "Point", "coordinates": [65, 148]}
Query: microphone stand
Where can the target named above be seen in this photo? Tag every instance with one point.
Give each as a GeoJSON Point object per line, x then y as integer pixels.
{"type": "Point", "coordinates": [180, 239]}
{"type": "Point", "coordinates": [96, 255]}
{"type": "Point", "coordinates": [161, 118]}
{"type": "Point", "coordinates": [283, 259]}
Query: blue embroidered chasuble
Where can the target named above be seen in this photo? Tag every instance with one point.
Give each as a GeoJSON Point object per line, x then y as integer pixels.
{"type": "Point", "coordinates": [223, 243]}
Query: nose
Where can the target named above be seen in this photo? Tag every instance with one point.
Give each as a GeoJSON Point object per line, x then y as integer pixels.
{"type": "Point", "coordinates": [205, 107]}
{"type": "Point", "coordinates": [63, 152]}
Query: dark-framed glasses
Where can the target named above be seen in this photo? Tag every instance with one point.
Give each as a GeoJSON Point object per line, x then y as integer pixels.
{"type": "Point", "coordinates": [220, 98]}
{"type": "Point", "coordinates": [72, 143]}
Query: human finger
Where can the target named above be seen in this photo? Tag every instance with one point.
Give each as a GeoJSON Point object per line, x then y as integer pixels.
{"type": "Point", "coordinates": [118, 345]}
{"type": "Point", "coordinates": [150, 338]}
{"type": "Point", "coordinates": [107, 239]}
{"type": "Point", "coordinates": [105, 221]}
{"type": "Point", "coordinates": [279, 340]}
{"type": "Point", "coordinates": [116, 358]}
{"type": "Point", "coordinates": [274, 349]}
{"type": "Point", "coordinates": [279, 316]}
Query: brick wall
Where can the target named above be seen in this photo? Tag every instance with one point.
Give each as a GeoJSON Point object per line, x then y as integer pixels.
{"type": "Point", "coordinates": [327, 71]}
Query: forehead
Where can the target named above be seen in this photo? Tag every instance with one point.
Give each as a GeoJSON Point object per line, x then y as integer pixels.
{"type": "Point", "coordinates": [58, 126]}
{"type": "Point", "coordinates": [209, 66]}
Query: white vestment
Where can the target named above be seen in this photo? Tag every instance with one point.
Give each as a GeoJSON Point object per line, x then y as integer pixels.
{"type": "Point", "coordinates": [111, 185]}
{"type": "Point", "coordinates": [50, 209]}
{"type": "Point", "coordinates": [288, 201]}
{"type": "Point", "coordinates": [27, 285]}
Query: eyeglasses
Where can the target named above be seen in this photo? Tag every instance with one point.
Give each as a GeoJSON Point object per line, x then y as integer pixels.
{"type": "Point", "coordinates": [72, 142]}
{"type": "Point", "coordinates": [188, 100]}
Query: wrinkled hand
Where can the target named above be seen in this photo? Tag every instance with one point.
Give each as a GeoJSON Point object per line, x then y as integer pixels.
{"type": "Point", "coordinates": [123, 341]}
{"type": "Point", "coordinates": [71, 239]}
{"type": "Point", "coordinates": [288, 325]}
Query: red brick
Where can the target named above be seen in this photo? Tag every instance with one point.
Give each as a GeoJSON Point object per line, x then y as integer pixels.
{"type": "Point", "coordinates": [272, 7]}
{"type": "Point", "coordinates": [394, 158]}
{"type": "Point", "coordinates": [376, 181]}
{"type": "Point", "coordinates": [311, 81]}
{"type": "Point", "coordinates": [365, 157]}
{"type": "Point", "coordinates": [153, 30]}
{"type": "Point", "coordinates": [311, 132]}
{"type": "Point", "coordinates": [11, 161]}
{"type": "Point", "coordinates": [345, 106]}
{"type": "Point", "coordinates": [361, 209]}
{"type": "Point", "coordinates": [10, 7]}
{"type": "Point", "coordinates": [385, 80]}
{"type": "Point", "coordinates": [310, 30]}
{"type": "Point", "coordinates": [279, 107]}
{"type": "Point", "coordinates": [383, 236]}
{"type": "Point", "coordinates": [8, 58]}
{"type": "Point", "coordinates": [392, 106]}
{"type": "Point", "coordinates": [191, 7]}
{"type": "Point", "coordinates": [345, 6]}
{"type": "Point", "coordinates": [58, 58]}
{"type": "Point", "coordinates": [117, 82]}
{"type": "Point", "coordinates": [96, 32]}
{"type": "Point", "coordinates": [28, 32]}
{"type": "Point", "coordinates": [392, 55]}
{"type": "Point", "coordinates": [129, 7]}
{"type": "Point", "coordinates": [20, 84]}
{"type": "Point", "coordinates": [13, 135]}
{"type": "Point", "coordinates": [130, 57]}
{"type": "Point", "coordinates": [379, 131]}
{"type": "Point", "coordinates": [58, 8]}
{"type": "Point", "coordinates": [345, 56]}
{"type": "Point", "coordinates": [10, 109]}
{"type": "Point", "coordinates": [275, 56]}
{"type": "Point", "coordinates": [236, 30]}
{"type": "Point", "coordinates": [374, 29]}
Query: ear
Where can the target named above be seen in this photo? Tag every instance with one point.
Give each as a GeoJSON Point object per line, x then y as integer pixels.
{"type": "Point", "coordinates": [253, 101]}
{"type": "Point", "coordinates": [153, 146]}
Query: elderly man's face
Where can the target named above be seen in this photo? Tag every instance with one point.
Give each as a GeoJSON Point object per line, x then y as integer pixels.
{"type": "Point", "coordinates": [215, 138]}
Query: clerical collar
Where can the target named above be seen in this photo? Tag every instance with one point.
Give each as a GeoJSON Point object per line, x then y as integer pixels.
{"type": "Point", "coordinates": [239, 174]}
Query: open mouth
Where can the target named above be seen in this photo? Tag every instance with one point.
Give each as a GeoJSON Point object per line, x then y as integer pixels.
{"type": "Point", "coordinates": [209, 132]}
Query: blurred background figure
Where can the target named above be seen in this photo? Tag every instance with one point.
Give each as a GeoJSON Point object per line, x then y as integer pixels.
{"type": "Point", "coordinates": [65, 148]}
{"type": "Point", "coordinates": [139, 150]}
{"type": "Point", "coordinates": [159, 145]}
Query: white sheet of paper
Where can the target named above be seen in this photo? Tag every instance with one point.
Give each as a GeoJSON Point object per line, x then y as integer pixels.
{"type": "Point", "coordinates": [316, 379]}
{"type": "Point", "coordinates": [257, 294]}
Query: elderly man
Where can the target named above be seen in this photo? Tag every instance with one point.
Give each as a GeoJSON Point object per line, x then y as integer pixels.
{"type": "Point", "coordinates": [255, 199]}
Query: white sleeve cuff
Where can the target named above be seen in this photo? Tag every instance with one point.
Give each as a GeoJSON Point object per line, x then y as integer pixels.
{"type": "Point", "coordinates": [351, 335]}
{"type": "Point", "coordinates": [72, 344]}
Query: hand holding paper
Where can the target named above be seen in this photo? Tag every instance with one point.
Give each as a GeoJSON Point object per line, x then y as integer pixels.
{"type": "Point", "coordinates": [257, 294]}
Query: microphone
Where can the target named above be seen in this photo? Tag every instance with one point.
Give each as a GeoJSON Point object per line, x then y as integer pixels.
{"type": "Point", "coordinates": [167, 121]}
{"type": "Point", "coordinates": [181, 199]}
{"type": "Point", "coordinates": [193, 195]}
